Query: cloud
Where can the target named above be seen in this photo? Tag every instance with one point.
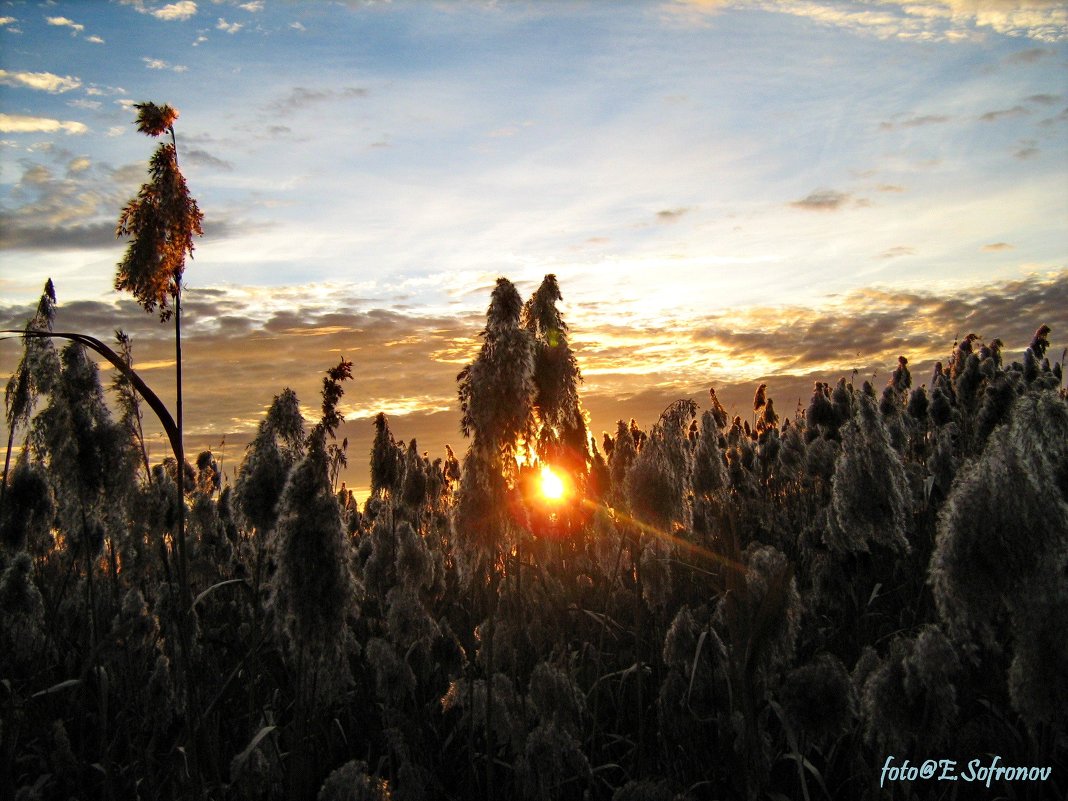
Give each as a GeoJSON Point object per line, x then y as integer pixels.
{"type": "Point", "coordinates": [42, 81]}
{"type": "Point", "coordinates": [897, 252]}
{"type": "Point", "coordinates": [176, 11]}
{"type": "Point", "coordinates": [21, 236]}
{"type": "Point", "coordinates": [88, 105]}
{"type": "Point", "coordinates": [822, 200]}
{"type": "Point", "coordinates": [74, 205]}
{"type": "Point", "coordinates": [253, 7]}
{"type": "Point", "coordinates": [228, 27]}
{"type": "Point", "coordinates": [1027, 150]}
{"type": "Point", "coordinates": [94, 39]}
{"type": "Point", "coordinates": [921, 20]}
{"type": "Point", "coordinates": [670, 215]}
{"type": "Point", "coordinates": [7, 20]}
{"type": "Point", "coordinates": [95, 90]}
{"type": "Point", "coordinates": [49, 205]}
{"type": "Point", "coordinates": [880, 324]}
{"type": "Point", "coordinates": [1029, 56]}
{"type": "Point", "coordinates": [70, 205]}
{"type": "Point", "coordinates": [300, 98]}
{"type": "Point", "coordinates": [20, 123]}
{"type": "Point", "coordinates": [63, 22]}
{"type": "Point", "coordinates": [1007, 113]}
{"type": "Point", "coordinates": [915, 122]}
{"type": "Point", "coordinates": [996, 246]}
{"type": "Point", "coordinates": [203, 158]}
{"type": "Point", "coordinates": [160, 64]}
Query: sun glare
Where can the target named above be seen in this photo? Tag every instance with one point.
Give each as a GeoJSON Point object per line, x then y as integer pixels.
{"type": "Point", "coordinates": [552, 486]}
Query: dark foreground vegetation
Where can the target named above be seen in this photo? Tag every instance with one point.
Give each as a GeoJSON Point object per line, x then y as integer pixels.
{"type": "Point", "coordinates": [765, 608]}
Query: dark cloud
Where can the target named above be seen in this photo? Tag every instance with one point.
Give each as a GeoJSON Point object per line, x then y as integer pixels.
{"type": "Point", "coordinates": [822, 200]}
{"type": "Point", "coordinates": [1030, 56]}
{"type": "Point", "coordinates": [897, 252]}
{"type": "Point", "coordinates": [1062, 117]}
{"type": "Point", "coordinates": [670, 215]}
{"type": "Point", "coordinates": [1043, 99]}
{"type": "Point", "coordinates": [300, 98]}
{"type": "Point", "coordinates": [1026, 150]}
{"type": "Point", "coordinates": [914, 122]}
{"type": "Point", "coordinates": [1000, 114]}
{"type": "Point", "coordinates": [996, 246]}
{"type": "Point", "coordinates": [17, 235]}
{"type": "Point", "coordinates": [872, 327]}
{"type": "Point", "coordinates": [203, 158]}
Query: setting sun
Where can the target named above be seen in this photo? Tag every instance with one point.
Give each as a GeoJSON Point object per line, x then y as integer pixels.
{"type": "Point", "coordinates": [552, 486]}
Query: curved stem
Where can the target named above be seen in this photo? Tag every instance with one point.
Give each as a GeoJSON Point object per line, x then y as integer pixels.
{"type": "Point", "coordinates": [151, 398]}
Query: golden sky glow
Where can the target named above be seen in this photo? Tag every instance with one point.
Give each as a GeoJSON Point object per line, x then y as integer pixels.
{"type": "Point", "coordinates": [729, 192]}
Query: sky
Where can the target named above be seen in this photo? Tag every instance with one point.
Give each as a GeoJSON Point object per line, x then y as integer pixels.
{"type": "Point", "coordinates": [728, 191]}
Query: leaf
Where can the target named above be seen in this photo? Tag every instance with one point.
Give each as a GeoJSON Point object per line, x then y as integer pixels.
{"type": "Point", "coordinates": [239, 761]}
{"type": "Point", "coordinates": [55, 688]}
{"type": "Point", "coordinates": [696, 656]}
{"type": "Point", "coordinates": [213, 587]}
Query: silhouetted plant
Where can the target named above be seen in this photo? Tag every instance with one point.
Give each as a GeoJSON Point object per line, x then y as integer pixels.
{"type": "Point", "coordinates": [870, 496]}
{"type": "Point", "coordinates": [278, 444]}
{"type": "Point", "coordinates": [910, 699]}
{"type": "Point", "coordinates": [32, 375]}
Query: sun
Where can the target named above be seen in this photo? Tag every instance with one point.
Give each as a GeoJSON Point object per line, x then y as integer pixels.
{"type": "Point", "coordinates": [552, 486]}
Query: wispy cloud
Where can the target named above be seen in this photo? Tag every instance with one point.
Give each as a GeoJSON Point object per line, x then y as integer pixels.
{"type": "Point", "coordinates": [995, 247]}
{"type": "Point", "coordinates": [922, 20]}
{"type": "Point", "coordinates": [21, 123]}
{"type": "Point", "coordinates": [1028, 149]}
{"type": "Point", "coordinates": [670, 215]}
{"type": "Point", "coordinates": [822, 200]}
{"type": "Point", "coordinates": [43, 81]}
{"type": "Point", "coordinates": [914, 121]}
{"type": "Point", "coordinates": [300, 98]}
{"type": "Point", "coordinates": [203, 158]}
{"type": "Point", "coordinates": [160, 64]}
{"type": "Point", "coordinates": [1001, 114]}
{"type": "Point", "coordinates": [1030, 56]}
{"type": "Point", "coordinates": [88, 105]}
